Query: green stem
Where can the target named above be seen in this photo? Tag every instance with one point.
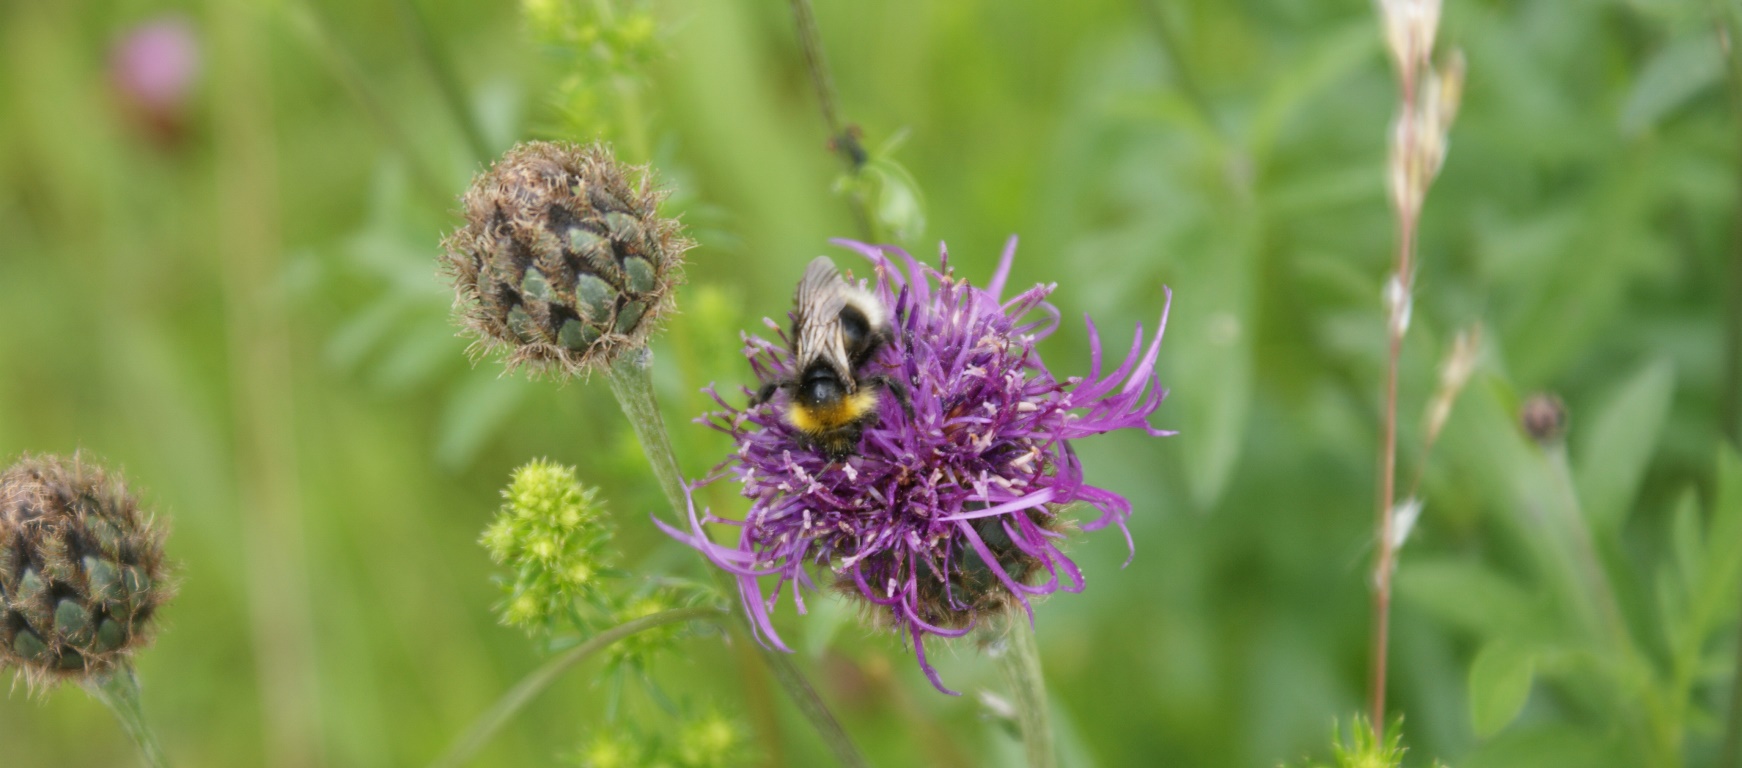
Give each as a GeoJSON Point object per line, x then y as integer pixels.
{"type": "Point", "coordinates": [631, 378]}
{"type": "Point", "coordinates": [1729, 30]}
{"type": "Point", "coordinates": [119, 691]}
{"type": "Point", "coordinates": [810, 703]}
{"type": "Point", "coordinates": [843, 139]}
{"type": "Point", "coordinates": [1019, 660]}
{"type": "Point", "coordinates": [492, 720]}
{"type": "Point", "coordinates": [442, 71]}
{"type": "Point", "coordinates": [1593, 592]}
{"type": "Point", "coordinates": [1174, 52]}
{"type": "Point", "coordinates": [307, 22]}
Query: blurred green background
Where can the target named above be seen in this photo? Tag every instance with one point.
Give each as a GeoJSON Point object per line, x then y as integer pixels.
{"type": "Point", "coordinates": [235, 301]}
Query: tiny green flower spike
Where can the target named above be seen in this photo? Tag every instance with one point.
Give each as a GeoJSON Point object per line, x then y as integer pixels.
{"type": "Point", "coordinates": [563, 263]}
{"type": "Point", "coordinates": [82, 573]}
{"type": "Point", "coordinates": [552, 536]}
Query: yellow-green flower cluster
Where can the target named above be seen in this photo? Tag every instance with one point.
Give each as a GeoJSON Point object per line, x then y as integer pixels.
{"type": "Point", "coordinates": [638, 649]}
{"type": "Point", "coordinates": [552, 535]}
{"type": "Point", "coordinates": [1362, 748]}
{"type": "Point", "coordinates": [606, 48]}
{"type": "Point", "coordinates": [710, 740]}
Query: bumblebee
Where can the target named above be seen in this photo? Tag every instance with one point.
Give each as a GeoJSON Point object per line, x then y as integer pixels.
{"type": "Point", "coordinates": [837, 328]}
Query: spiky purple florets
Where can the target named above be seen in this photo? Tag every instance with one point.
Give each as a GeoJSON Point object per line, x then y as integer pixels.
{"type": "Point", "coordinates": [950, 514]}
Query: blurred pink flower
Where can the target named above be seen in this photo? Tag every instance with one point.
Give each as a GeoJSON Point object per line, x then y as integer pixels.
{"type": "Point", "coordinates": [153, 67]}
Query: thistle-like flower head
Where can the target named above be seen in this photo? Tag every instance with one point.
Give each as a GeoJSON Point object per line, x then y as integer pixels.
{"type": "Point", "coordinates": [82, 573]}
{"type": "Point", "coordinates": [552, 536]}
{"type": "Point", "coordinates": [564, 262]}
{"type": "Point", "coordinates": [951, 514]}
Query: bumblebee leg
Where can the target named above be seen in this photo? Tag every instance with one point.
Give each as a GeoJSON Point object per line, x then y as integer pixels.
{"type": "Point", "coordinates": [898, 391]}
{"type": "Point", "coordinates": [766, 393]}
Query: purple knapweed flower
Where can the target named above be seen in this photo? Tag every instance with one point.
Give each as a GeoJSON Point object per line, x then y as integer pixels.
{"type": "Point", "coordinates": [948, 514]}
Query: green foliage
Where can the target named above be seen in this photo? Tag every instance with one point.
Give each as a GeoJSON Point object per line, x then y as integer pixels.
{"type": "Point", "coordinates": [891, 194]}
{"type": "Point", "coordinates": [1645, 662]}
{"type": "Point", "coordinates": [1500, 680]}
{"type": "Point", "coordinates": [604, 49]}
{"type": "Point", "coordinates": [642, 647]}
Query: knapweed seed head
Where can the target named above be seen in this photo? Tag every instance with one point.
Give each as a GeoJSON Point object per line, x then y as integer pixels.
{"type": "Point", "coordinates": [82, 572]}
{"type": "Point", "coordinates": [564, 262]}
{"type": "Point", "coordinates": [949, 508]}
{"type": "Point", "coordinates": [552, 537]}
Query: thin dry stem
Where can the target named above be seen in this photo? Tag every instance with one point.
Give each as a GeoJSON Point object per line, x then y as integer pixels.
{"type": "Point", "coordinates": [1387, 500]}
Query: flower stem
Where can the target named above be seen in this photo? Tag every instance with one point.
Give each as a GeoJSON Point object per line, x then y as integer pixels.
{"type": "Point", "coordinates": [843, 140]}
{"type": "Point", "coordinates": [1729, 30]}
{"type": "Point", "coordinates": [442, 71]}
{"type": "Point", "coordinates": [312, 27]}
{"type": "Point", "coordinates": [631, 378]}
{"type": "Point", "coordinates": [492, 720]}
{"type": "Point", "coordinates": [1020, 663]}
{"type": "Point", "coordinates": [1028, 688]}
{"type": "Point", "coordinates": [1407, 206]}
{"type": "Point", "coordinates": [119, 691]}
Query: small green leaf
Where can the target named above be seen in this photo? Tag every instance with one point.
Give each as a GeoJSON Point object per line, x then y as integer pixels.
{"type": "Point", "coordinates": [1674, 75]}
{"type": "Point", "coordinates": [1500, 679]}
{"type": "Point", "coordinates": [1721, 566]}
{"type": "Point", "coordinates": [1548, 746]}
{"type": "Point", "coordinates": [1465, 594]}
{"type": "Point", "coordinates": [1686, 541]}
{"type": "Point", "coordinates": [1616, 446]}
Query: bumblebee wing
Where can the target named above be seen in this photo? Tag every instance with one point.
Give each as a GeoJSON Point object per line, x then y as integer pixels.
{"type": "Point", "coordinates": [816, 323]}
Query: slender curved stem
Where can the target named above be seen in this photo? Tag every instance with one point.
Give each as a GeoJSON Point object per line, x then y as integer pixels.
{"type": "Point", "coordinates": [811, 704]}
{"type": "Point", "coordinates": [631, 379]}
{"type": "Point", "coordinates": [1020, 663]}
{"type": "Point", "coordinates": [119, 691]}
{"type": "Point", "coordinates": [435, 59]}
{"type": "Point", "coordinates": [1176, 59]}
{"type": "Point", "coordinates": [492, 720]}
{"type": "Point", "coordinates": [843, 139]}
{"type": "Point", "coordinates": [312, 27]}
{"type": "Point", "coordinates": [1403, 271]}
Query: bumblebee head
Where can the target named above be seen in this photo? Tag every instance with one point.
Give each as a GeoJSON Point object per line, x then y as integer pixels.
{"type": "Point", "coordinates": [864, 325]}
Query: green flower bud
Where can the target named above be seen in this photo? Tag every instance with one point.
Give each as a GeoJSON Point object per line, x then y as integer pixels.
{"type": "Point", "coordinates": [563, 264]}
{"type": "Point", "coordinates": [1544, 417]}
{"type": "Point", "coordinates": [710, 741]}
{"type": "Point", "coordinates": [552, 537]}
{"type": "Point", "coordinates": [82, 572]}
{"type": "Point", "coordinates": [639, 649]}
